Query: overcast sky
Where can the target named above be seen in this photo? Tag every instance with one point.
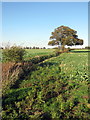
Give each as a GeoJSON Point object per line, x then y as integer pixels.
{"type": "Point", "coordinates": [31, 23]}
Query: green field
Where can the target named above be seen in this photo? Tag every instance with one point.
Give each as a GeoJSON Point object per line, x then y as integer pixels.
{"type": "Point", "coordinates": [37, 52]}
{"type": "Point", "coordinates": [81, 50]}
{"type": "Point", "coordinates": [56, 89]}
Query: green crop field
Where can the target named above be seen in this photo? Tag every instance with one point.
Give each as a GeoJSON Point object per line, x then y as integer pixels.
{"type": "Point", "coordinates": [81, 50]}
{"type": "Point", "coordinates": [37, 52]}
{"type": "Point", "coordinates": [56, 89]}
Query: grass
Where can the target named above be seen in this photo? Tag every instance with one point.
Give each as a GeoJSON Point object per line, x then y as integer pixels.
{"type": "Point", "coordinates": [36, 52]}
{"type": "Point", "coordinates": [58, 88]}
{"type": "Point", "coordinates": [83, 50]}
{"type": "Point", "coordinates": [30, 53]}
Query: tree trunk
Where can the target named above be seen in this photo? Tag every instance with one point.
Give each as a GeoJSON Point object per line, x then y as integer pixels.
{"type": "Point", "coordinates": [59, 47]}
{"type": "Point", "coordinates": [63, 47]}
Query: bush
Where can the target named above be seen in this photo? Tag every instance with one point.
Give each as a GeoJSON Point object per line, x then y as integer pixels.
{"type": "Point", "coordinates": [14, 54]}
{"type": "Point", "coordinates": [87, 47]}
{"type": "Point", "coordinates": [58, 52]}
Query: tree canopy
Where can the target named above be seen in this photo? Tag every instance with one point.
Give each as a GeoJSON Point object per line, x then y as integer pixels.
{"type": "Point", "coordinates": [65, 36]}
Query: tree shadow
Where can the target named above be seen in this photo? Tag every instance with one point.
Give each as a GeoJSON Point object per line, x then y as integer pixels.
{"type": "Point", "coordinates": [80, 51]}
{"type": "Point", "coordinates": [45, 64]}
{"type": "Point", "coordinates": [29, 72]}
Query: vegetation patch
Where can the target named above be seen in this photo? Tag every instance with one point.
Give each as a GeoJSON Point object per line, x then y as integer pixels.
{"type": "Point", "coordinates": [15, 72]}
{"type": "Point", "coordinates": [52, 91]}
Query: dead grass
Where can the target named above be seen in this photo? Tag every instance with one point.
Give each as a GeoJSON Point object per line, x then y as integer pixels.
{"type": "Point", "coordinates": [5, 69]}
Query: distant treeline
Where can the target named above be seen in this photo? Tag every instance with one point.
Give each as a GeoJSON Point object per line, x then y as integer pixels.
{"type": "Point", "coordinates": [34, 47]}
{"type": "Point", "coordinates": [28, 47]}
{"type": "Point", "coordinates": [87, 47]}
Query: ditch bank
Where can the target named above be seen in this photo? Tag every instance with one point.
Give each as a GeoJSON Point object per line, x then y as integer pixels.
{"type": "Point", "coordinates": [14, 73]}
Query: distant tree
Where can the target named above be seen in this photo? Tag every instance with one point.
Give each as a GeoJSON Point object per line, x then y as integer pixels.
{"type": "Point", "coordinates": [44, 48]}
{"type": "Point", "coordinates": [27, 47]}
{"type": "Point", "coordinates": [64, 35]}
{"type": "Point", "coordinates": [37, 47]}
{"type": "Point", "coordinates": [87, 47]}
{"type": "Point", "coordinates": [34, 47]}
{"type": "Point", "coordinates": [1, 47]}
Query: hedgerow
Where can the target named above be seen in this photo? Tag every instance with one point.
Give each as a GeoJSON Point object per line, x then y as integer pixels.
{"type": "Point", "coordinates": [14, 54]}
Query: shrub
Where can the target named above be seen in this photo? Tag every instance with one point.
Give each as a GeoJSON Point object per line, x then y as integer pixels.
{"type": "Point", "coordinates": [57, 52]}
{"type": "Point", "coordinates": [14, 54]}
{"type": "Point", "coordinates": [87, 47]}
